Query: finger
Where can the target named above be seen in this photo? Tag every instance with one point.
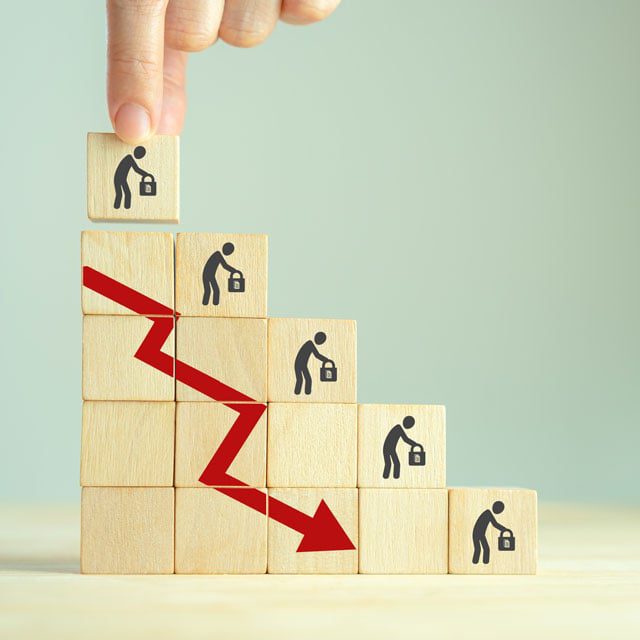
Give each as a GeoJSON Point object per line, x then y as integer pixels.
{"type": "Point", "coordinates": [307, 11]}
{"type": "Point", "coordinates": [246, 23]}
{"type": "Point", "coordinates": [134, 76]}
{"type": "Point", "coordinates": [192, 25]}
{"type": "Point", "coordinates": [174, 101]}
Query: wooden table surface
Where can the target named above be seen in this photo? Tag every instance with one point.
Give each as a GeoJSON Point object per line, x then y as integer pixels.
{"type": "Point", "coordinates": [588, 587]}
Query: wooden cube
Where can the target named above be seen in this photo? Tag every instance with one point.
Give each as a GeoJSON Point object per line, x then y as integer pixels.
{"type": "Point", "coordinates": [129, 183]}
{"type": "Point", "coordinates": [109, 369]}
{"type": "Point", "coordinates": [493, 531]}
{"type": "Point", "coordinates": [142, 261]}
{"type": "Point", "coordinates": [401, 445]}
{"type": "Point", "coordinates": [127, 530]}
{"type": "Point", "coordinates": [231, 350]}
{"type": "Point", "coordinates": [200, 429]}
{"type": "Point", "coordinates": [127, 444]}
{"type": "Point", "coordinates": [312, 445]}
{"type": "Point", "coordinates": [221, 274]}
{"type": "Point", "coordinates": [216, 534]}
{"type": "Point", "coordinates": [403, 531]}
{"type": "Point", "coordinates": [283, 541]}
{"type": "Point", "coordinates": [312, 360]}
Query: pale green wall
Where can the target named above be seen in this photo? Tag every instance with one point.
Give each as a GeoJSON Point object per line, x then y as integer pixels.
{"type": "Point", "coordinates": [461, 178]}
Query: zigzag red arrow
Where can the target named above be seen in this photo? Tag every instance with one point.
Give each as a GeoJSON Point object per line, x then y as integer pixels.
{"type": "Point", "coordinates": [322, 532]}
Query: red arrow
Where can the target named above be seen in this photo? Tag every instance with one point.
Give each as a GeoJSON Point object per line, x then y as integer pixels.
{"type": "Point", "coordinates": [322, 532]}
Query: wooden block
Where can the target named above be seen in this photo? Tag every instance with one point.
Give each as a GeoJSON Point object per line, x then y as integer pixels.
{"type": "Point", "coordinates": [298, 349]}
{"type": "Point", "coordinates": [383, 450]}
{"type": "Point", "coordinates": [232, 350]}
{"type": "Point", "coordinates": [127, 530]}
{"type": "Point", "coordinates": [133, 183]}
{"type": "Point", "coordinates": [216, 534]}
{"type": "Point", "coordinates": [403, 531]}
{"type": "Point", "coordinates": [142, 261]}
{"type": "Point", "coordinates": [200, 428]}
{"type": "Point", "coordinates": [477, 543]}
{"type": "Point", "coordinates": [312, 445]}
{"type": "Point", "coordinates": [127, 444]}
{"type": "Point", "coordinates": [221, 274]}
{"type": "Point", "coordinates": [283, 541]}
{"type": "Point", "coordinates": [109, 369]}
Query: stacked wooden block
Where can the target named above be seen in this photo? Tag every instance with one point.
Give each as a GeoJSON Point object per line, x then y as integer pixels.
{"type": "Point", "coordinates": [147, 438]}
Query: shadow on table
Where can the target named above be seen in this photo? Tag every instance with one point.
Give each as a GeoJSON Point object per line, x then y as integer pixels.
{"type": "Point", "coordinates": [15, 564]}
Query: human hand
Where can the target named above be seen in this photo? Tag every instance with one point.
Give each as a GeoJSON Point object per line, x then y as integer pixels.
{"type": "Point", "coordinates": [148, 45]}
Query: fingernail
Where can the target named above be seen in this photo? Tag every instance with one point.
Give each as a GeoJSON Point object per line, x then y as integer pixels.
{"type": "Point", "coordinates": [132, 123]}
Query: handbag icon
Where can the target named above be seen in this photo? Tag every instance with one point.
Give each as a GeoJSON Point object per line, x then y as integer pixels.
{"type": "Point", "coordinates": [417, 456]}
{"type": "Point", "coordinates": [235, 283]}
{"type": "Point", "coordinates": [328, 371]}
{"type": "Point", "coordinates": [148, 186]}
{"type": "Point", "coordinates": [506, 541]}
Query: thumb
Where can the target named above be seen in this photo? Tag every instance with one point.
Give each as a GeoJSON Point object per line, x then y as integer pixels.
{"type": "Point", "coordinates": [135, 62]}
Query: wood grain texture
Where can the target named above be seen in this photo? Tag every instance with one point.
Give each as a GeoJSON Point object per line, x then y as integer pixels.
{"type": "Point", "coordinates": [232, 350]}
{"type": "Point", "coordinates": [201, 428]}
{"type": "Point", "coordinates": [250, 257]}
{"type": "Point", "coordinates": [588, 587]}
{"type": "Point", "coordinates": [215, 534]}
{"type": "Point", "coordinates": [286, 337]}
{"type": "Point", "coordinates": [283, 542]}
{"type": "Point", "coordinates": [162, 160]}
{"type": "Point", "coordinates": [127, 444]}
{"type": "Point", "coordinates": [312, 445]}
{"type": "Point", "coordinates": [520, 515]}
{"type": "Point", "coordinates": [109, 369]}
{"type": "Point", "coordinates": [374, 423]}
{"type": "Point", "coordinates": [403, 531]}
{"type": "Point", "coordinates": [142, 261]}
{"type": "Point", "coordinates": [127, 530]}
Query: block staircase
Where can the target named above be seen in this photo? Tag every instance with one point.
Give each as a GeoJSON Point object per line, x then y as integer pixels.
{"type": "Point", "coordinates": [216, 440]}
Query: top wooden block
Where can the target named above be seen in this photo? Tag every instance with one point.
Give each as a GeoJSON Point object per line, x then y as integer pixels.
{"type": "Point", "coordinates": [142, 261]}
{"type": "Point", "coordinates": [133, 184]}
{"type": "Point", "coordinates": [221, 274]}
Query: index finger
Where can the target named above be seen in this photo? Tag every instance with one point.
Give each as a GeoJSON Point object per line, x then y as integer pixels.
{"type": "Point", "coordinates": [135, 60]}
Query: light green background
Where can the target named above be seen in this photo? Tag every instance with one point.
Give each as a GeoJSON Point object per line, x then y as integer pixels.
{"type": "Point", "coordinates": [462, 178]}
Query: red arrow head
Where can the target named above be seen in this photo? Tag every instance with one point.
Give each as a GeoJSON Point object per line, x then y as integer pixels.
{"type": "Point", "coordinates": [325, 533]}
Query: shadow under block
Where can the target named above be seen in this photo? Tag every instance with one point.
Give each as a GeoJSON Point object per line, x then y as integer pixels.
{"type": "Point", "coordinates": [231, 350]}
{"type": "Point", "coordinates": [376, 422]}
{"type": "Point", "coordinates": [200, 429]}
{"type": "Point", "coordinates": [516, 554]}
{"type": "Point", "coordinates": [292, 347]}
{"type": "Point", "coordinates": [204, 287]}
{"type": "Point", "coordinates": [217, 534]}
{"type": "Point", "coordinates": [127, 444]}
{"type": "Point", "coordinates": [403, 531]}
{"type": "Point", "coordinates": [283, 541]}
{"type": "Point", "coordinates": [127, 530]}
{"type": "Point", "coordinates": [312, 445]}
{"type": "Point", "coordinates": [112, 173]}
{"type": "Point", "coordinates": [140, 260]}
{"type": "Point", "coordinates": [110, 370]}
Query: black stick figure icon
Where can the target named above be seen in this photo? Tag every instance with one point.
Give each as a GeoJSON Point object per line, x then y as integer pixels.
{"type": "Point", "coordinates": [121, 177]}
{"type": "Point", "coordinates": [390, 445]}
{"type": "Point", "coordinates": [301, 365]}
{"type": "Point", "coordinates": [209, 281]}
{"type": "Point", "coordinates": [480, 542]}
